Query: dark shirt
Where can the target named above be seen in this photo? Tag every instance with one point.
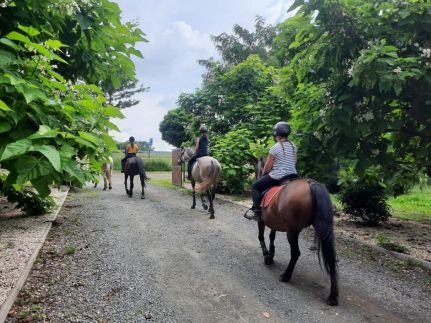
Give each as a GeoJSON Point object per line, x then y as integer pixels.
{"type": "Point", "coordinates": [203, 146]}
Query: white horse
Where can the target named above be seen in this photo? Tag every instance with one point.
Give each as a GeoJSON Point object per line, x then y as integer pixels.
{"type": "Point", "coordinates": [107, 169]}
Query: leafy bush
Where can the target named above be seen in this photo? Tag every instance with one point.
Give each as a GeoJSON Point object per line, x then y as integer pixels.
{"type": "Point", "coordinates": [366, 201]}
{"type": "Point", "coordinates": [233, 153]}
{"type": "Point", "coordinates": [30, 202]}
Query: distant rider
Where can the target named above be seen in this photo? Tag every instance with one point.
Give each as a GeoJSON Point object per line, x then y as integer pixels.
{"type": "Point", "coordinates": [201, 149]}
{"type": "Point", "coordinates": [130, 151]}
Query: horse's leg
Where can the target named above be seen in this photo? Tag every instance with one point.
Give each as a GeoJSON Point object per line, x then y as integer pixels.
{"type": "Point", "coordinates": [271, 243]}
{"type": "Point", "coordinates": [142, 178]}
{"type": "Point", "coordinates": [204, 204]}
{"type": "Point", "coordinates": [110, 179]}
{"type": "Point", "coordinates": [125, 183]}
{"type": "Point", "coordinates": [267, 258]}
{"type": "Point", "coordinates": [210, 199]}
{"type": "Point", "coordinates": [131, 185]}
{"type": "Point", "coordinates": [105, 182]}
{"type": "Point", "coordinates": [194, 194]}
{"type": "Point", "coordinates": [294, 255]}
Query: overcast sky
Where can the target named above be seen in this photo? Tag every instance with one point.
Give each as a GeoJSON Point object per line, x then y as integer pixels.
{"type": "Point", "coordinates": [179, 33]}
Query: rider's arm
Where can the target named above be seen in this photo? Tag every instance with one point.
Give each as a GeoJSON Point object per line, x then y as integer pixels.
{"type": "Point", "coordinates": [268, 165]}
{"type": "Point", "coordinates": [197, 145]}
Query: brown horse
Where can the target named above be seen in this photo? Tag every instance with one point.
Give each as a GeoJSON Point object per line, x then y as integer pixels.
{"type": "Point", "coordinates": [134, 166]}
{"type": "Point", "coordinates": [206, 171]}
{"type": "Point", "coordinates": [299, 204]}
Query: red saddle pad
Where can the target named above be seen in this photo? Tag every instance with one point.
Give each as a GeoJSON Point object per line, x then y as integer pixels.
{"type": "Point", "coordinates": [269, 195]}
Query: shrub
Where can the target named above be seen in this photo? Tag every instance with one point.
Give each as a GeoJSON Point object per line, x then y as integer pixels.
{"type": "Point", "coordinates": [365, 201]}
{"type": "Point", "coordinates": [157, 165]}
{"type": "Point", "coordinates": [30, 202]}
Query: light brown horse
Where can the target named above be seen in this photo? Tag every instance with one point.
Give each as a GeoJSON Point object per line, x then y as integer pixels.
{"type": "Point", "coordinates": [206, 172]}
{"type": "Point", "coordinates": [299, 204]}
{"type": "Point", "coordinates": [107, 169]}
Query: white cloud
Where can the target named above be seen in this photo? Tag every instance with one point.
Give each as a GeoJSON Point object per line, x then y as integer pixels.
{"type": "Point", "coordinates": [277, 12]}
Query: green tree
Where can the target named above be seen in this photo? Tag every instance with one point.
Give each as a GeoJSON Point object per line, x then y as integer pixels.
{"type": "Point", "coordinates": [54, 117]}
{"type": "Point", "coordinates": [174, 127]}
{"type": "Point", "coordinates": [358, 75]}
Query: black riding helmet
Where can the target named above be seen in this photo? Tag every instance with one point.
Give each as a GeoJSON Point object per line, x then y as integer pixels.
{"type": "Point", "coordinates": [203, 129]}
{"type": "Point", "coordinates": [281, 129]}
{"type": "Point", "coordinates": [132, 139]}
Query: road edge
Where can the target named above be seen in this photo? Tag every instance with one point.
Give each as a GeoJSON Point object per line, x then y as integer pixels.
{"type": "Point", "coordinates": [13, 294]}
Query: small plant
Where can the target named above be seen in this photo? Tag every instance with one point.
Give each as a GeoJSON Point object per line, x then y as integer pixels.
{"type": "Point", "coordinates": [384, 242]}
{"type": "Point", "coordinates": [30, 202]}
{"type": "Point", "coordinates": [69, 250]}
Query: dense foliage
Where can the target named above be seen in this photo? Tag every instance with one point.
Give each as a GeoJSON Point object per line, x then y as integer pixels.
{"type": "Point", "coordinates": [352, 77]}
{"type": "Point", "coordinates": [57, 61]}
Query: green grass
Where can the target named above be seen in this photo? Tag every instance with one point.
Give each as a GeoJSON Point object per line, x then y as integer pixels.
{"type": "Point", "coordinates": [414, 206]}
{"type": "Point", "coordinates": [156, 161]}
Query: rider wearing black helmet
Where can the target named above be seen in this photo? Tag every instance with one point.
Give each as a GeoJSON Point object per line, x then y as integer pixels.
{"type": "Point", "coordinates": [201, 149]}
{"type": "Point", "coordinates": [280, 166]}
{"type": "Point", "coordinates": [130, 151]}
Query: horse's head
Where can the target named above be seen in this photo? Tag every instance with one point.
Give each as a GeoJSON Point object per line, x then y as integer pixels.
{"type": "Point", "coordinates": [186, 155]}
{"type": "Point", "coordinates": [260, 163]}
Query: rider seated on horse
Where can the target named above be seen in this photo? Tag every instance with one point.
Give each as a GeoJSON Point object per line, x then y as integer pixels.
{"type": "Point", "coordinates": [201, 149]}
{"type": "Point", "coordinates": [280, 166]}
{"type": "Point", "coordinates": [130, 151]}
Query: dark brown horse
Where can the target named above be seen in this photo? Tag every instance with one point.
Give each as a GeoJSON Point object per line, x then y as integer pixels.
{"type": "Point", "coordinates": [299, 204]}
{"type": "Point", "coordinates": [134, 166]}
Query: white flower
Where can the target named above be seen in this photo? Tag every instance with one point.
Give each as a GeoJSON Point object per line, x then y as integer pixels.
{"type": "Point", "coordinates": [416, 44]}
{"type": "Point", "coordinates": [426, 52]}
{"type": "Point", "coordinates": [350, 71]}
{"type": "Point", "coordinates": [368, 116]}
{"type": "Point", "coordinates": [375, 152]}
{"type": "Point", "coordinates": [397, 70]}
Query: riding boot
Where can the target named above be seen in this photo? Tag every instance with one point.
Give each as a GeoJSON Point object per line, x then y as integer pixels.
{"type": "Point", "coordinates": [256, 215]}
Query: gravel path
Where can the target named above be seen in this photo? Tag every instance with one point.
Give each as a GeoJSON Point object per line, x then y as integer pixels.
{"type": "Point", "coordinates": [115, 259]}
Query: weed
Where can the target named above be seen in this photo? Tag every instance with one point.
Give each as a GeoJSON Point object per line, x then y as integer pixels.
{"type": "Point", "coordinates": [384, 242]}
{"type": "Point", "coordinates": [69, 250]}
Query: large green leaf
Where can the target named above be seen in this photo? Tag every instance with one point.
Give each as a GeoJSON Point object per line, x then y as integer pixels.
{"type": "Point", "coordinates": [30, 93]}
{"type": "Point", "coordinates": [44, 132]}
{"type": "Point", "coordinates": [41, 184]}
{"type": "Point", "coordinates": [16, 149]}
{"type": "Point", "coordinates": [4, 107]}
{"type": "Point", "coordinates": [19, 37]}
{"type": "Point", "coordinates": [4, 126]}
{"type": "Point", "coordinates": [113, 112]}
{"type": "Point", "coordinates": [51, 153]}
{"type": "Point", "coordinates": [90, 137]}
{"type": "Point", "coordinates": [29, 30]}
{"type": "Point", "coordinates": [6, 58]}
{"type": "Point", "coordinates": [30, 168]}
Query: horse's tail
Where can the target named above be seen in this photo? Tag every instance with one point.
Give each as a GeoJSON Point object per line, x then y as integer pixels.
{"type": "Point", "coordinates": [323, 222]}
{"type": "Point", "coordinates": [212, 178]}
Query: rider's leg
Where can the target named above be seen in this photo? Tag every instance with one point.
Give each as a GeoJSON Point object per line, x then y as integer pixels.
{"type": "Point", "coordinates": [189, 167]}
{"type": "Point", "coordinates": [257, 188]}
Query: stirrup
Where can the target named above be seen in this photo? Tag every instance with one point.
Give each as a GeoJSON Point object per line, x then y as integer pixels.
{"type": "Point", "coordinates": [255, 215]}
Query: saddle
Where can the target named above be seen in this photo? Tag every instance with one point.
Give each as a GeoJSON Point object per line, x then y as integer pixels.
{"type": "Point", "coordinates": [272, 192]}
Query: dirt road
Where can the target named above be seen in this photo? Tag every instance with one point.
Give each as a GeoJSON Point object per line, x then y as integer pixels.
{"type": "Point", "coordinates": [116, 259]}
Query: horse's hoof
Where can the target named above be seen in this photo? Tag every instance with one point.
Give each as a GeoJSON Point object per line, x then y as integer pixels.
{"type": "Point", "coordinates": [268, 260]}
{"type": "Point", "coordinates": [104, 188]}
{"type": "Point", "coordinates": [284, 278]}
{"type": "Point", "coordinates": [130, 195]}
{"type": "Point", "coordinates": [192, 207]}
{"type": "Point", "coordinates": [110, 187]}
{"type": "Point", "coordinates": [212, 216]}
{"type": "Point", "coordinates": [332, 301]}
{"type": "Point", "coordinates": [205, 207]}
{"type": "Point", "coordinates": [142, 197]}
